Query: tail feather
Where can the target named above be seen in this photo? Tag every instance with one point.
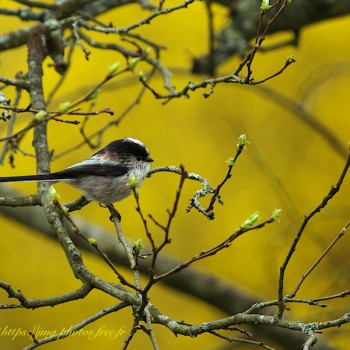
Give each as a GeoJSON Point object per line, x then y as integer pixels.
{"type": "Point", "coordinates": [27, 178]}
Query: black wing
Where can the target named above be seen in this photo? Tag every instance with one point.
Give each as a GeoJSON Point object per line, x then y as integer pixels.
{"type": "Point", "coordinates": [92, 167]}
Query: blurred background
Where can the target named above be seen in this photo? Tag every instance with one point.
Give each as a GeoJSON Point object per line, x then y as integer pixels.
{"type": "Point", "coordinates": [289, 164]}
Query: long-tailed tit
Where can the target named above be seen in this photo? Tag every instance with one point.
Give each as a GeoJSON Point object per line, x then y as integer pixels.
{"type": "Point", "coordinates": [104, 177]}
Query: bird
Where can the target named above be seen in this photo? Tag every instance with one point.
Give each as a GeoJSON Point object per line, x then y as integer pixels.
{"type": "Point", "coordinates": [106, 176]}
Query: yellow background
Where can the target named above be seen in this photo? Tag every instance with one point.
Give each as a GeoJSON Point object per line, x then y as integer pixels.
{"type": "Point", "coordinates": [200, 134]}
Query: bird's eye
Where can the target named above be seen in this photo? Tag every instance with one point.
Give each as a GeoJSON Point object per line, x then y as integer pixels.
{"type": "Point", "coordinates": [139, 158]}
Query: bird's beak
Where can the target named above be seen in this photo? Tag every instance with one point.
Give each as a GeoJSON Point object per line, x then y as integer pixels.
{"type": "Point", "coordinates": [149, 159]}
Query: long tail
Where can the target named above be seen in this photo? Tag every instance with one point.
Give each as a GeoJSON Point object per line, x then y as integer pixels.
{"type": "Point", "coordinates": [41, 177]}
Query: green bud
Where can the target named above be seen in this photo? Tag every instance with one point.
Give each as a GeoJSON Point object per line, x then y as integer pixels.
{"type": "Point", "coordinates": [95, 94]}
{"type": "Point", "coordinates": [64, 107]}
{"type": "Point", "coordinates": [276, 214]}
{"type": "Point", "coordinates": [133, 62]}
{"type": "Point", "coordinates": [138, 246]}
{"type": "Point", "coordinates": [250, 221]}
{"type": "Point", "coordinates": [40, 116]}
{"type": "Point", "coordinates": [64, 209]}
{"type": "Point", "coordinates": [113, 68]}
{"type": "Point", "coordinates": [290, 59]}
{"type": "Point", "coordinates": [54, 196]}
{"type": "Point", "coordinates": [265, 5]}
{"type": "Point", "coordinates": [92, 241]}
{"type": "Point", "coordinates": [230, 161]}
{"type": "Point", "coordinates": [242, 141]}
{"type": "Point", "coordinates": [133, 180]}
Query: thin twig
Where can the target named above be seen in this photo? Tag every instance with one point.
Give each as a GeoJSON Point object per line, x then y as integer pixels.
{"type": "Point", "coordinates": [128, 250]}
{"type": "Point", "coordinates": [104, 256]}
{"type": "Point", "coordinates": [211, 37]}
{"type": "Point", "coordinates": [216, 194]}
{"type": "Point", "coordinates": [166, 240]}
{"type": "Point", "coordinates": [313, 266]}
{"type": "Point", "coordinates": [137, 25]}
{"type": "Point", "coordinates": [27, 303]}
{"type": "Point", "coordinates": [63, 76]}
{"type": "Point", "coordinates": [241, 340]}
{"type": "Point", "coordinates": [333, 191]}
{"type": "Point", "coordinates": [214, 250]}
{"type": "Point", "coordinates": [11, 125]}
{"type": "Point", "coordinates": [77, 327]}
{"type": "Point", "coordinates": [80, 44]}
